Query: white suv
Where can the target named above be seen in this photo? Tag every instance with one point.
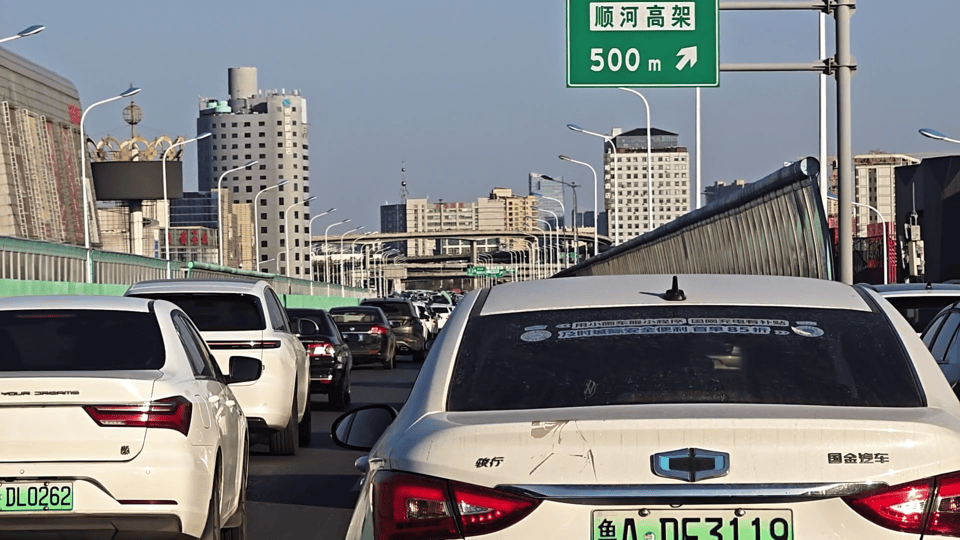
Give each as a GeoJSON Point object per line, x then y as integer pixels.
{"type": "Point", "coordinates": [241, 317]}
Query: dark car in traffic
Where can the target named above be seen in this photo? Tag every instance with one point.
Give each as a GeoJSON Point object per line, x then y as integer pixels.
{"type": "Point", "coordinates": [367, 332]}
{"type": "Point", "coordinates": [330, 356]}
{"type": "Point", "coordinates": [405, 321]}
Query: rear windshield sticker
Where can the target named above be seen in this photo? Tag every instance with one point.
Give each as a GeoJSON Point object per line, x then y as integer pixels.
{"type": "Point", "coordinates": [808, 331]}
{"type": "Point", "coordinates": [674, 322]}
{"type": "Point", "coordinates": [647, 330]}
{"type": "Point", "coordinates": [534, 334]}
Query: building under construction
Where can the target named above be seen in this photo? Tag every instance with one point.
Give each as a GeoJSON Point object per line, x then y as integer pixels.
{"type": "Point", "coordinates": [41, 194]}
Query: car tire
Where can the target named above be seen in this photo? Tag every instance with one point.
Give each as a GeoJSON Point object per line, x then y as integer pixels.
{"type": "Point", "coordinates": [305, 427]}
{"type": "Point", "coordinates": [211, 529]}
{"type": "Point", "coordinates": [240, 531]}
{"type": "Point", "coordinates": [284, 442]}
{"type": "Point", "coordinates": [340, 396]}
{"type": "Point", "coordinates": [389, 362]}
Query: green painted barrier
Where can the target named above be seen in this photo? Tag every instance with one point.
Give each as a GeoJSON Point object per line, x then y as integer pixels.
{"type": "Point", "coordinates": [316, 302]}
{"type": "Point", "coordinates": [20, 287]}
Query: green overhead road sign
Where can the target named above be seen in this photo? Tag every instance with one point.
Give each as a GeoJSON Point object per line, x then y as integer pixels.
{"type": "Point", "coordinates": [645, 43]}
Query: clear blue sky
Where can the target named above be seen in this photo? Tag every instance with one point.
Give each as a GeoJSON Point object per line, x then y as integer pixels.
{"type": "Point", "coordinates": [472, 95]}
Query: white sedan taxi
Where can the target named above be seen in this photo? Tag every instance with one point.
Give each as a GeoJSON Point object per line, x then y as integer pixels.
{"type": "Point", "coordinates": [666, 408]}
{"type": "Point", "coordinates": [115, 422]}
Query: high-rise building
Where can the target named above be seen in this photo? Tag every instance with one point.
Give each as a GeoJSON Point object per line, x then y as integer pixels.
{"type": "Point", "coordinates": [626, 181]}
{"type": "Point", "coordinates": [41, 193]}
{"type": "Point", "coordinates": [549, 198]}
{"type": "Point", "coordinates": [875, 185]}
{"type": "Point", "coordinates": [271, 127]}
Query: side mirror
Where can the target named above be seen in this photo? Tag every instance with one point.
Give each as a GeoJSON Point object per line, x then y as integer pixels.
{"type": "Point", "coordinates": [360, 429]}
{"type": "Point", "coordinates": [244, 369]}
{"type": "Point", "coordinates": [306, 327]}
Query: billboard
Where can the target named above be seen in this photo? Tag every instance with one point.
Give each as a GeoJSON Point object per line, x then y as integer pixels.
{"type": "Point", "coordinates": [136, 180]}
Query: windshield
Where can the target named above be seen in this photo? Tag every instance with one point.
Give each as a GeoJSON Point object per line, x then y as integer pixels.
{"type": "Point", "coordinates": [218, 312]}
{"type": "Point", "coordinates": [80, 340]}
{"type": "Point", "coordinates": [920, 310]}
{"type": "Point", "coordinates": [681, 354]}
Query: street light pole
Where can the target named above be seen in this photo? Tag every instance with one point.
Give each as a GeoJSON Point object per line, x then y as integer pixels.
{"type": "Point", "coordinates": [649, 161]}
{"type": "Point", "coordinates": [286, 227]}
{"type": "Point", "coordinates": [220, 205]}
{"type": "Point", "coordinates": [556, 232]}
{"type": "Point", "coordinates": [26, 32]}
{"type": "Point", "coordinates": [573, 187]}
{"type": "Point", "coordinates": [616, 190]}
{"type": "Point", "coordinates": [353, 248]}
{"type": "Point", "coordinates": [166, 200]}
{"type": "Point", "coordinates": [256, 221]}
{"type": "Point", "coordinates": [83, 166]}
{"type": "Point", "coordinates": [326, 250]}
{"type": "Point", "coordinates": [566, 257]}
{"type": "Point", "coordinates": [595, 216]}
{"type": "Point", "coordinates": [341, 249]}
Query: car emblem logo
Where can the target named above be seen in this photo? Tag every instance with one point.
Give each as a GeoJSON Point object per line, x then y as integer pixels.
{"type": "Point", "coordinates": [690, 464]}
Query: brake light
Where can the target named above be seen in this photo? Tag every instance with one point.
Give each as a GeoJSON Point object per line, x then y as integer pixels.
{"type": "Point", "coordinates": [419, 507]}
{"type": "Point", "coordinates": [320, 349]}
{"type": "Point", "coordinates": [171, 413]}
{"type": "Point", "coordinates": [378, 330]}
{"type": "Point", "coordinates": [930, 506]}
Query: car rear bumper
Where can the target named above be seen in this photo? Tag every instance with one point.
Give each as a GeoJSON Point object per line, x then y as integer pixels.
{"type": "Point", "coordinates": [161, 473]}
{"type": "Point", "coordinates": [409, 343]}
{"type": "Point", "coordinates": [106, 527]}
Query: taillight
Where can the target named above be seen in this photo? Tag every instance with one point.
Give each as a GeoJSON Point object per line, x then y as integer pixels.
{"type": "Point", "coordinates": [930, 506]}
{"type": "Point", "coordinates": [419, 507]}
{"type": "Point", "coordinates": [378, 330]}
{"type": "Point", "coordinates": [171, 413]}
{"type": "Point", "coordinates": [320, 349]}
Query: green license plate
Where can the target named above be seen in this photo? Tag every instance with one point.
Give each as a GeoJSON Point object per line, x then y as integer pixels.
{"type": "Point", "coordinates": [692, 524]}
{"type": "Point", "coordinates": [36, 497]}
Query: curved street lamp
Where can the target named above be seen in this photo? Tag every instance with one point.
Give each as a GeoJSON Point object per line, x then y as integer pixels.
{"type": "Point", "coordinates": [649, 161]}
{"type": "Point", "coordinates": [166, 201]}
{"type": "Point", "coordinates": [220, 204]}
{"type": "Point", "coordinates": [616, 190]}
{"type": "Point", "coordinates": [573, 187]}
{"type": "Point", "coordinates": [256, 221]}
{"type": "Point", "coordinates": [936, 135]}
{"type": "Point", "coordinates": [326, 249]}
{"type": "Point", "coordinates": [83, 170]}
{"type": "Point", "coordinates": [596, 218]}
{"type": "Point", "coordinates": [286, 227]}
{"type": "Point", "coordinates": [26, 32]}
{"type": "Point", "coordinates": [355, 229]}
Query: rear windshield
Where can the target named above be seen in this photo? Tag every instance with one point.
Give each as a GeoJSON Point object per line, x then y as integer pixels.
{"type": "Point", "coordinates": [79, 340]}
{"type": "Point", "coordinates": [393, 308]}
{"type": "Point", "coordinates": [326, 329]}
{"type": "Point", "coordinates": [919, 311]}
{"type": "Point", "coordinates": [218, 312]}
{"type": "Point", "coordinates": [694, 354]}
{"type": "Point", "coordinates": [344, 316]}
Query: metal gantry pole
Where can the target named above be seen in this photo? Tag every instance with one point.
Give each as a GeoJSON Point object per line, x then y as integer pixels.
{"type": "Point", "coordinates": [841, 67]}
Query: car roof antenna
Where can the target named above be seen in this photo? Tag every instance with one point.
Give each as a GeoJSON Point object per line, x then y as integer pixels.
{"type": "Point", "coordinates": [675, 294]}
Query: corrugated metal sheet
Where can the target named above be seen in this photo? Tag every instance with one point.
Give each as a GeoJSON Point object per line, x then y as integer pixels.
{"type": "Point", "coordinates": [775, 226]}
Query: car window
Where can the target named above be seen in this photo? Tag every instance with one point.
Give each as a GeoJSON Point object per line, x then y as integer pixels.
{"type": "Point", "coordinates": [80, 340]}
{"type": "Point", "coordinates": [931, 331]}
{"type": "Point", "coordinates": [326, 326]}
{"type": "Point", "coordinates": [278, 315]}
{"type": "Point", "coordinates": [920, 310]}
{"type": "Point", "coordinates": [684, 354]}
{"type": "Point", "coordinates": [346, 316]}
{"type": "Point", "coordinates": [218, 312]}
{"type": "Point", "coordinates": [945, 336]}
{"type": "Point", "coordinates": [393, 308]}
{"type": "Point", "coordinates": [193, 345]}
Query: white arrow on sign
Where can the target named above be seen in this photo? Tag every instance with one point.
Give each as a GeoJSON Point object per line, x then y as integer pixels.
{"type": "Point", "coordinates": [689, 57]}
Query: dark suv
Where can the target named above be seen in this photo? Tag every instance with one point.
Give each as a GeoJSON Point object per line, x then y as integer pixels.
{"type": "Point", "coordinates": [406, 324]}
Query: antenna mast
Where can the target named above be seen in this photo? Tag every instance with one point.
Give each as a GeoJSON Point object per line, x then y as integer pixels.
{"type": "Point", "coordinates": [403, 183]}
